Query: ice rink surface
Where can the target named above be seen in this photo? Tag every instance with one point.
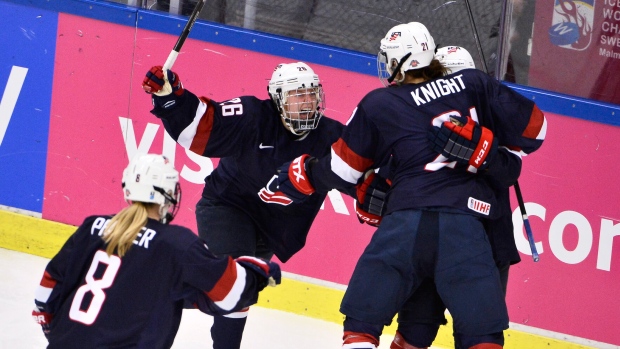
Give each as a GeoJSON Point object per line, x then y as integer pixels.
{"type": "Point", "coordinates": [20, 274]}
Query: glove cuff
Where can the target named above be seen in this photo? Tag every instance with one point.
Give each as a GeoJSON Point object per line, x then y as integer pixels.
{"type": "Point", "coordinates": [168, 101]}
{"type": "Point", "coordinates": [484, 149]}
{"type": "Point", "coordinates": [298, 175]}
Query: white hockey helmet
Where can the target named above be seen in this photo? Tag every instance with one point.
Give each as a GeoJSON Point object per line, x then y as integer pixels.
{"type": "Point", "coordinates": [455, 58]}
{"type": "Point", "coordinates": [404, 47]}
{"type": "Point", "coordinates": [297, 92]}
{"type": "Point", "coordinates": [151, 178]}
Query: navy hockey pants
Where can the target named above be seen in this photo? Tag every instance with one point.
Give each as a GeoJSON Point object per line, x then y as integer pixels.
{"type": "Point", "coordinates": [413, 245]}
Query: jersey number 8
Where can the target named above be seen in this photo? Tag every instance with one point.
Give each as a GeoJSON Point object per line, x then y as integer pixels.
{"type": "Point", "coordinates": [96, 287]}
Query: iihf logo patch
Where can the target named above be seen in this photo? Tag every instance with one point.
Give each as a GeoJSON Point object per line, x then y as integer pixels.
{"type": "Point", "coordinates": [394, 36]}
{"type": "Point", "coordinates": [479, 206]}
{"type": "Point", "coordinates": [452, 49]}
{"type": "Point", "coordinates": [572, 24]}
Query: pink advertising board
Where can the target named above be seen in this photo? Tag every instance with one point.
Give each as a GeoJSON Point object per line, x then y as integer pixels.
{"type": "Point", "coordinates": [100, 118]}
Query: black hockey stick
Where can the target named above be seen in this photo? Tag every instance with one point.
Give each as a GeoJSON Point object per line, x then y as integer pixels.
{"type": "Point", "coordinates": [188, 27]}
{"type": "Point", "coordinates": [526, 223]}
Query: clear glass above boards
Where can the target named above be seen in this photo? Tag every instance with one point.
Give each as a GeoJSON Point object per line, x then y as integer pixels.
{"type": "Point", "coordinates": [565, 46]}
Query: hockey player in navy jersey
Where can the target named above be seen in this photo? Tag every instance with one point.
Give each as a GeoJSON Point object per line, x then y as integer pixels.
{"type": "Point", "coordinates": [420, 319]}
{"type": "Point", "coordinates": [122, 281]}
{"type": "Point", "coordinates": [238, 214]}
{"type": "Point", "coordinates": [443, 134]}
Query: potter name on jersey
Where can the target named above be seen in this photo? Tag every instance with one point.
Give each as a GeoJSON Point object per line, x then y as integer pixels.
{"type": "Point", "coordinates": [437, 88]}
{"type": "Point", "coordinates": [142, 239]}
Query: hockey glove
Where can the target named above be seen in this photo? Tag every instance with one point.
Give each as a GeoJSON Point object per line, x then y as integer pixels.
{"type": "Point", "coordinates": [469, 144]}
{"type": "Point", "coordinates": [371, 193]}
{"type": "Point", "coordinates": [269, 271]}
{"type": "Point", "coordinates": [42, 318]}
{"type": "Point", "coordinates": [165, 86]}
{"type": "Point", "coordinates": [293, 179]}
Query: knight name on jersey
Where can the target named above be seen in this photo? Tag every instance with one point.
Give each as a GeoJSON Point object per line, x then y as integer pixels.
{"type": "Point", "coordinates": [142, 239]}
{"type": "Point", "coordinates": [437, 88]}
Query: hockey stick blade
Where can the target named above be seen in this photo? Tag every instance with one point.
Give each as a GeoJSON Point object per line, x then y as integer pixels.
{"type": "Point", "coordinates": [172, 57]}
{"type": "Point", "coordinates": [526, 223]}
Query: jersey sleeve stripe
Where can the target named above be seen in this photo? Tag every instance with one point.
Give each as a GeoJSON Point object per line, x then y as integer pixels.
{"type": "Point", "coordinates": [43, 292]}
{"type": "Point", "coordinates": [346, 163]}
{"type": "Point", "coordinates": [47, 280]}
{"type": "Point", "coordinates": [196, 136]}
{"type": "Point", "coordinates": [537, 126]}
{"type": "Point", "coordinates": [343, 170]}
{"type": "Point", "coordinates": [227, 291]}
{"type": "Point", "coordinates": [234, 295]}
{"type": "Point", "coordinates": [238, 314]}
{"type": "Point", "coordinates": [353, 160]}
{"type": "Point", "coordinates": [516, 151]}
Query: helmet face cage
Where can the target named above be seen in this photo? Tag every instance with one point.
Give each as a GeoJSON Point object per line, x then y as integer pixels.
{"type": "Point", "coordinates": [405, 47]}
{"type": "Point", "coordinates": [298, 95]}
{"type": "Point", "coordinates": [455, 58]}
{"type": "Point", "coordinates": [151, 178]}
{"type": "Point", "coordinates": [302, 108]}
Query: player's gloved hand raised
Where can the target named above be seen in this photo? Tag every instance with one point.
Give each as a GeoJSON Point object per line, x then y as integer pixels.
{"type": "Point", "coordinates": [370, 203]}
{"type": "Point", "coordinates": [469, 143]}
{"type": "Point", "coordinates": [269, 271]}
{"type": "Point", "coordinates": [162, 83]}
{"type": "Point", "coordinates": [293, 179]}
{"type": "Point", "coordinates": [42, 318]}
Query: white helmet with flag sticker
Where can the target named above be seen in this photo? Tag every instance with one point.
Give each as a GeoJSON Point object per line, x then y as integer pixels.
{"type": "Point", "coordinates": [404, 47]}
{"type": "Point", "coordinates": [455, 58]}
{"type": "Point", "coordinates": [151, 178]}
{"type": "Point", "coordinates": [297, 92]}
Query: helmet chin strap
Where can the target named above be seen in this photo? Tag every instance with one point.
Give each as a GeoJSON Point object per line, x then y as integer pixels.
{"type": "Point", "coordinates": [397, 70]}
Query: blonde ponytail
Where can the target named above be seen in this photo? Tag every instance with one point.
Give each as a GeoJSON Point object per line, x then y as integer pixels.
{"type": "Point", "coordinates": [122, 230]}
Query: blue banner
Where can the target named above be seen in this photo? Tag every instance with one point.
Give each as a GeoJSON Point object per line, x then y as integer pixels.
{"type": "Point", "coordinates": [26, 72]}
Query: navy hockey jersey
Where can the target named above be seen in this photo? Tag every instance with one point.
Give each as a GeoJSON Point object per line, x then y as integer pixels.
{"type": "Point", "coordinates": [396, 121]}
{"type": "Point", "coordinates": [247, 134]}
{"type": "Point", "coordinates": [101, 301]}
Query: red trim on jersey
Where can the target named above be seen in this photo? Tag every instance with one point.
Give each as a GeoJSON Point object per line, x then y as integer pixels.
{"type": "Point", "coordinates": [203, 131]}
{"type": "Point", "coordinates": [259, 263]}
{"type": "Point", "coordinates": [47, 280]}
{"type": "Point", "coordinates": [347, 155]}
{"type": "Point", "coordinates": [225, 283]}
{"type": "Point", "coordinates": [537, 120]}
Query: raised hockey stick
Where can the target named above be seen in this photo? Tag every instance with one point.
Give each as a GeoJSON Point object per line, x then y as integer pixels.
{"type": "Point", "coordinates": [172, 57]}
{"type": "Point", "coordinates": [526, 223]}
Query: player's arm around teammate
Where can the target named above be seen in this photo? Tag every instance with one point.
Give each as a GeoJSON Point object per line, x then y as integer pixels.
{"type": "Point", "coordinates": [436, 201]}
